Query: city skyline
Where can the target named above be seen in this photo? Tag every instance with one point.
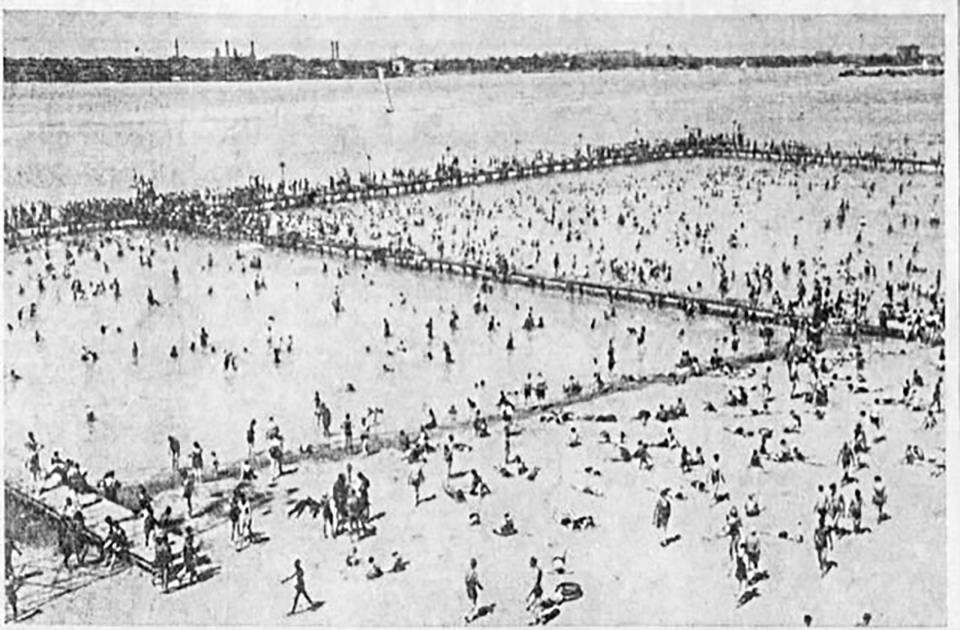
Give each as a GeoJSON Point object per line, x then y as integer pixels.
{"type": "Point", "coordinates": [152, 35]}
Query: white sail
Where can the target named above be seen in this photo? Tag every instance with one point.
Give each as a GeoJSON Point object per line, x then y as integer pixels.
{"type": "Point", "coordinates": [386, 90]}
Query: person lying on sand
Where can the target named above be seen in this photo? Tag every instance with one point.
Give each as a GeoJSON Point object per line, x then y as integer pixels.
{"type": "Point", "coordinates": [575, 523]}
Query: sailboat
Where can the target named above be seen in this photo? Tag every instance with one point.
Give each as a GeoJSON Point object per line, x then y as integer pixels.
{"type": "Point", "coordinates": [386, 90]}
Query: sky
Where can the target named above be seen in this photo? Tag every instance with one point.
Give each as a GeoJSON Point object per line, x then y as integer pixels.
{"type": "Point", "coordinates": [126, 34]}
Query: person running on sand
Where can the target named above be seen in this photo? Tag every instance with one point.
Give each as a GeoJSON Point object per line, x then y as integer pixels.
{"type": "Point", "coordinates": [299, 586]}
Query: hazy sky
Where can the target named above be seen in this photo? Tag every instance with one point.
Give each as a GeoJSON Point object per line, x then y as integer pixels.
{"type": "Point", "coordinates": [91, 34]}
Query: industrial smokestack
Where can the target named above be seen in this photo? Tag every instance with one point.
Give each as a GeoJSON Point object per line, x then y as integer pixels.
{"type": "Point", "coordinates": [226, 48]}
{"type": "Point", "coordinates": [176, 47]}
{"type": "Point", "coordinates": [253, 55]}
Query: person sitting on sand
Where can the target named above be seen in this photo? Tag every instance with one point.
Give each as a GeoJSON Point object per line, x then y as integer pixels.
{"type": "Point", "coordinates": [755, 461]}
{"type": "Point", "coordinates": [574, 440]}
{"type": "Point", "coordinates": [373, 572]}
{"type": "Point", "coordinates": [353, 558]}
{"type": "Point", "coordinates": [507, 528]}
{"type": "Point", "coordinates": [797, 423]}
{"type": "Point", "coordinates": [642, 456]}
{"type": "Point", "coordinates": [697, 459]}
{"type": "Point", "coordinates": [477, 484]}
{"type": "Point", "coordinates": [751, 507]}
{"type": "Point", "coordinates": [784, 454]}
{"type": "Point", "coordinates": [399, 564]}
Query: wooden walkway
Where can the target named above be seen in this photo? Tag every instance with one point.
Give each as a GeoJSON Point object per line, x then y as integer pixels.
{"type": "Point", "coordinates": [95, 510]}
{"type": "Point", "coordinates": [607, 157]}
{"type": "Point", "coordinates": [699, 305]}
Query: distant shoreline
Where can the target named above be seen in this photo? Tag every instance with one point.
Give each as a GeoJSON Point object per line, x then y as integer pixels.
{"type": "Point", "coordinates": [292, 68]}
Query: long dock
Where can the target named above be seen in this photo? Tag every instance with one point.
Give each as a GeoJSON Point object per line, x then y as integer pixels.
{"type": "Point", "coordinates": [619, 156]}
{"type": "Point", "coordinates": [698, 305]}
{"type": "Point", "coordinates": [625, 154]}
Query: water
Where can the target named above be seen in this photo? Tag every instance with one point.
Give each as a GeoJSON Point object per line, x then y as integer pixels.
{"type": "Point", "coordinates": [69, 141]}
{"type": "Point", "coordinates": [192, 397]}
{"type": "Point", "coordinates": [65, 141]}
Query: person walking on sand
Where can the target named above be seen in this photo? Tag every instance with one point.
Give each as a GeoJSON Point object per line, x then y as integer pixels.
{"type": "Point", "coordinates": [820, 543]}
{"type": "Point", "coordinates": [251, 438]}
{"type": "Point", "coordinates": [174, 445]}
{"type": "Point", "coordinates": [536, 591]}
{"type": "Point", "coordinates": [188, 490]}
{"type": "Point", "coordinates": [661, 515]}
{"type": "Point", "coordinates": [298, 586]}
{"type": "Point", "coordinates": [880, 498]}
{"type": "Point", "coordinates": [196, 462]}
{"type": "Point", "coordinates": [416, 480]}
{"type": "Point", "coordinates": [472, 582]}
{"type": "Point", "coordinates": [448, 455]}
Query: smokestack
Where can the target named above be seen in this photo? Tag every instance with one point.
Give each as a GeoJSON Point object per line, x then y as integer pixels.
{"type": "Point", "coordinates": [176, 47]}
{"type": "Point", "coordinates": [216, 52]}
{"type": "Point", "coordinates": [226, 48]}
{"type": "Point", "coordinates": [338, 49]}
{"type": "Point", "coordinates": [235, 55]}
{"type": "Point", "coordinates": [253, 55]}
{"type": "Point", "coordinates": [333, 51]}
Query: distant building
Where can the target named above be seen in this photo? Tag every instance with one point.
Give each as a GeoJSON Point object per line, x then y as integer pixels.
{"type": "Point", "coordinates": [398, 66]}
{"type": "Point", "coordinates": [823, 55]}
{"type": "Point", "coordinates": [908, 54]}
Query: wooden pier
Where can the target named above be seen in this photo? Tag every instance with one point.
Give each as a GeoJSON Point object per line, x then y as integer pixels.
{"type": "Point", "coordinates": [95, 508]}
{"type": "Point", "coordinates": [697, 305]}
{"type": "Point", "coordinates": [619, 156]}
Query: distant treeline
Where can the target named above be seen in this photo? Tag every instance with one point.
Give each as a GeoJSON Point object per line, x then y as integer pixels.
{"type": "Point", "coordinates": [290, 67]}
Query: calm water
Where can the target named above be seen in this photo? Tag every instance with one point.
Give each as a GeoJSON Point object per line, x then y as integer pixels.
{"type": "Point", "coordinates": [68, 141]}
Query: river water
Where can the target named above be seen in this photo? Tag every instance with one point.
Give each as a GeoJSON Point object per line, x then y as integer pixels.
{"type": "Point", "coordinates": [69, 141]}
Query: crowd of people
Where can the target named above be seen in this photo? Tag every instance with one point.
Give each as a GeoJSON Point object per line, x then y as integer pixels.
{"type": "Point", "coordinates": [544, 233]}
